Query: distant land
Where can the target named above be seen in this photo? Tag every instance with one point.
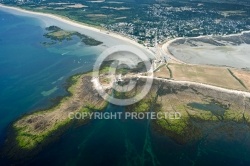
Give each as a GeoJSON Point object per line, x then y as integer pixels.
{"type": "Point", "coordinates": [147, 21]}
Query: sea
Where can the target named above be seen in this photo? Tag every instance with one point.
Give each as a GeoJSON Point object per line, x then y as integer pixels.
{"type": "Point", "coordinates": [32, 75]}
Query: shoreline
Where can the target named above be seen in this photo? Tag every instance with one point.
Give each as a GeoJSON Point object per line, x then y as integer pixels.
{"type": "Point", "coordinates": [74, 23]}
{"type": "Point", "coordinates": [83, 26]}
{"type": "Point", "coordinates": [80, 25]}
{"type": "Point", "coordinates": [34, 129]}
{"type": "Point", "coordinates": [165, 45]}
{"type": "Point", "coordinates": [56, 133]}
{"type": "Point", "coordinates": [165, 49]}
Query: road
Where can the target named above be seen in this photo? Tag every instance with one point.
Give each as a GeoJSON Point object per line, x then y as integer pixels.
{"type": "Point", "coordinates": [188, 83]}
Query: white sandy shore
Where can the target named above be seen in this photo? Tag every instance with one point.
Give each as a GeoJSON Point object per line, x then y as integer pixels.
{"type": "Point", "coordinates": [164, 47]}
{"type": "Point", "coordinates": [168, 53]}
{"type": "Point", "coordinates": [107, 34]}
{"type": "Point", "coordinates": [82, 26]}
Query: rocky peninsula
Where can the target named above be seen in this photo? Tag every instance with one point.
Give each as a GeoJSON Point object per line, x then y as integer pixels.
{"type": "Point", "coordinates": [32, 131]}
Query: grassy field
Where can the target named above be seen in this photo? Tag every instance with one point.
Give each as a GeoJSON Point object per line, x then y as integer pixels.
{"type": "Point", "coordinates": [163, 72]}
{"type": "Point", "coordinates": [217, 76]}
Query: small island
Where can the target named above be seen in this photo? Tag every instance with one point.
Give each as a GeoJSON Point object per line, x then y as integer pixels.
{"type": "Point", "coordinates": [57, 34]}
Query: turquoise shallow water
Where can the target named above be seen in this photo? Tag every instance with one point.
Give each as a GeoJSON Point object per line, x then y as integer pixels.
{"type": "Point", "coordinates": [29, 71]}
{"type": "Point", "coordinates": [31, 75]}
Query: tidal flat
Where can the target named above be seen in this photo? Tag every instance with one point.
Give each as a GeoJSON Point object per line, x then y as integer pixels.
{"type": "Point", "coordinates": [231, 50]}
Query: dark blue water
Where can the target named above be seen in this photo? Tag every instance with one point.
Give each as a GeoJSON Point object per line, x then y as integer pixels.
{"type": "Point", "coordinates": [32, 74]}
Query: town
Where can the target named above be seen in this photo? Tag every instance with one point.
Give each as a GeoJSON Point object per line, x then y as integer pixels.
{"type": "Point", "coordinates": [144, 22]}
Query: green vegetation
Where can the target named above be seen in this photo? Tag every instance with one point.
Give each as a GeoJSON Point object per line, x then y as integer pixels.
{"type": "Point", "coordinates": [178, 127]}
{"type": "Point", "coordinates": [53, 28]}
{"type": "Point", "coordinates": [192, 123]}
{"type": "Point", "coordinates": [197, 111]}
{"type": "Point", "coordinates": [142, 106]}
{"type": "Point", "coordinates": [32, 130]}
{"type": "Point", "coordinates": [139, 20]}
{"type": "Point", "coordinates": [57, 34]}
{"type": "Point", "coordinates": [28, 140]}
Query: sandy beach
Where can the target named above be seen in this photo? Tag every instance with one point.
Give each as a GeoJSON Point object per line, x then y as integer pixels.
{"type": "Point", "coordinates": [111, 38]}
{"type": "Point", "coordinates": [96, 33]}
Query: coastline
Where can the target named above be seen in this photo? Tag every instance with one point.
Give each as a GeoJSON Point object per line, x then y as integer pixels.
{"type": "Point", "coordinates": [165, 45]}
{"type": "Point", "coordinates": [67, 144]}
{"type": "Point", "coordinates": [32, 131]}
{"type": "Point", "coordinates": [84, 26]}
{"type": "Point", "coordinates": [80, 25]}
{"type": "Point", "coordinates": [165, 49]}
